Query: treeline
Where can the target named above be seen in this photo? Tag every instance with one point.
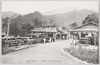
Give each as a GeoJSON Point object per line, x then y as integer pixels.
{"type": "Point", "coordinates": [90, 18]}
{"type": "Point", "coordinates": [15, 28]}
{"type": "Point", "coordinates": [22, 25]}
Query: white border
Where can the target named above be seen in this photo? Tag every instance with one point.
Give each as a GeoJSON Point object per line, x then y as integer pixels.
{"type": "Point", "coordinates": [45, 0]}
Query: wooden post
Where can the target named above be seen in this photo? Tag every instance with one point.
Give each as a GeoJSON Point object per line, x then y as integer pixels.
{"type": "Point", "coordinates": [60, 36]}
{"type": "Point", "coordinates": [8, 33]}
{"type": "Point", "coordinates": [8, 29]}
{"type": "Point", "coordinates": [79, 35]}
{"type": "Point", "coordinates": [69, 35]}
{"type": "Point", "coordinates": [54, 36]}
{"type": "Point", "coordinates": [72, 39]}
{"type": "Point", "coordinates": [95, 35]}
{"type": "Point", "coordinates": [73, 36]}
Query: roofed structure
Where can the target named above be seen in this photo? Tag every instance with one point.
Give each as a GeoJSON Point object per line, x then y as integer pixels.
{"type": "Point", "coordinates": [91, 26]}
{"type": "Point", "coordinates": [88, 31]}
{"type": "Point", "coordinates": [44, 30]}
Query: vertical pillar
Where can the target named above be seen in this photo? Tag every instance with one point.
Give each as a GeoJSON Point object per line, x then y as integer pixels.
{"type": "Point", "coordinates": [7, 33]}
{"type": "Point", "coordinates": [69, 35]}
{"type": "Point", "coordinates": [54, 36]}
{"type": "Point", "coordinates": [79, 35]}
{"type": "Point", "coordinates": [94, 37]}
{"type": "Point", "coordinates": [8, 29]}
{"type": "Point", "coordinates": [60, 36]}
{"type": "Point", "coordinates": [44, 40]}
{"type": "Point", "coordinates": [73, 37]}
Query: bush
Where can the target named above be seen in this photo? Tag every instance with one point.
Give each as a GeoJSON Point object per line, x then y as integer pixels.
{"type": "Point", "coordinates": [5, 50]}
{"type": "Point", "coordinates": [91, 56]}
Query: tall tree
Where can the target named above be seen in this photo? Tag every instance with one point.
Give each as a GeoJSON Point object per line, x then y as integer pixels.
{"type": "Point", "coordinates": [14, 29]}
{"type": "Point", "coordinates": [84, 21]}
{"type": "Point", "coordinates": [91, 18]}
{"type": "Point", "coordinates": [4, 25]}
{"type": "Point", "coordinates": [25, 29]}
{"type": "Point", "coordinates": [73, 25]}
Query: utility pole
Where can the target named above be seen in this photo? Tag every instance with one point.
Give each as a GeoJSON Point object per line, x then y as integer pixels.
{"type": "Point", "coordinates": [7, 32]}
{"type": "Point", "coordinates": [8, 28]}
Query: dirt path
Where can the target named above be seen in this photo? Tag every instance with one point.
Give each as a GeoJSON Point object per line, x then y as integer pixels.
{"type": "Point", "coordinates": [49, 53]}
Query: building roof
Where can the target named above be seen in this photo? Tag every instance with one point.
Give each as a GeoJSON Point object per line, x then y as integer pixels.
{"type": "Point", "coordinates": [43, 30]}
{"type": "Point", "coordinates": [83, 30]}
{"type": "Point", "coordinates": [85, 25]}
{"type": "Point", "coordinates": [63, 31]}
{"type": "Point", "coordinates": [38, 29]}
{"type": "Point", "coordinates": [79, 27]}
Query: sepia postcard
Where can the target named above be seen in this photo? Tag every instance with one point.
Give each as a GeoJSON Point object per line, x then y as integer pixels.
{"type": "Point", "coordinates": [50, 32]}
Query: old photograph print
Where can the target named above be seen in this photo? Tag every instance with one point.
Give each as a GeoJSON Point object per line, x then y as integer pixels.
{"type": "Point", "coordinates": [50, 32]}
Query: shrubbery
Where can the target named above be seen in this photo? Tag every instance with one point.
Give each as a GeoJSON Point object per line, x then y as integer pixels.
{"type": "Point", "coordinates": [91, 56]}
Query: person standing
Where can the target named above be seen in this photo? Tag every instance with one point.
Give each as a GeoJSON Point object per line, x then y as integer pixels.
{"type": "Point", "coordinates": [90, 37]}
{"type": "Point", "coordinates": [44, 40]}
{"type": "Point", "coordinates": [49, 39]}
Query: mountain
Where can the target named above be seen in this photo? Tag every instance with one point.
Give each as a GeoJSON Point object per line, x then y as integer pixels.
{"type": "Point", "coordinates": [22, 24]}
{"type": "Point", "coordinates": [65, 19]}
{"type": "Point", "coordinates": [10, 14]}
{"type": "Point", "coordinates": [62, 10]}
{"type": "Point", "coordinates": [62, 20]}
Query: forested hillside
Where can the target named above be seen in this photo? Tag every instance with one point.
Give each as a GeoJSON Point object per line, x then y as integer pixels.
{"type": "Point", "coordinates": [22, 24]}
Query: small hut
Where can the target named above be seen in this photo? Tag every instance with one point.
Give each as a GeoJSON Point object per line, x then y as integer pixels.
{"type": "Point", "coordinates": [85, 32]}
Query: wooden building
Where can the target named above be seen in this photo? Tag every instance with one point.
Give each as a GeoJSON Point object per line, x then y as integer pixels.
{"type": "Point", "coordinates": [62, 34]}
{"type": "Point", "coordinates": [85, 32]}
{"type": "Point", "coordinates": [44, 32]}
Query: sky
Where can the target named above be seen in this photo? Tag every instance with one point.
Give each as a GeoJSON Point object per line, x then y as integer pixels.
{"type": "Point", "coordinates": [45, 7]}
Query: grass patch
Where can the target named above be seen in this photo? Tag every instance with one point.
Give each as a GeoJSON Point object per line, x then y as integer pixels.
{"type": "Point", "coordinates": [14, 48]}
{"type": "Point", "coordinates": [89, 55]}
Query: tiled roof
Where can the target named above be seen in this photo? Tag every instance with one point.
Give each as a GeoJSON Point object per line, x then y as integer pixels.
{"type": "Point", "coordinates": [82, 30]}
{"type": "Point", "coordinates": [63, 31]}
{"type": "Point", "coordinates": [38, 29]}
{"type": "Point", "coordinates": [43, 30]}
{"type": "Point", "coordinates": [78, 28]}
{"type": "Point", "coordinates": [86, 24]}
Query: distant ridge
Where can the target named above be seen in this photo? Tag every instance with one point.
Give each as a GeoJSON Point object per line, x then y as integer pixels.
{"type": "Point", "coordinates": [68, 18]}
{"type": "Point", "coordinates": [62, 20]}
{"type": "Point", "coordinates": [10, 14]}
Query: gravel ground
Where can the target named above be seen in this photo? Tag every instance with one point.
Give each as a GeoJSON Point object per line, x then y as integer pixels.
{"type": "Point", "coordinates": [42, 53]}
